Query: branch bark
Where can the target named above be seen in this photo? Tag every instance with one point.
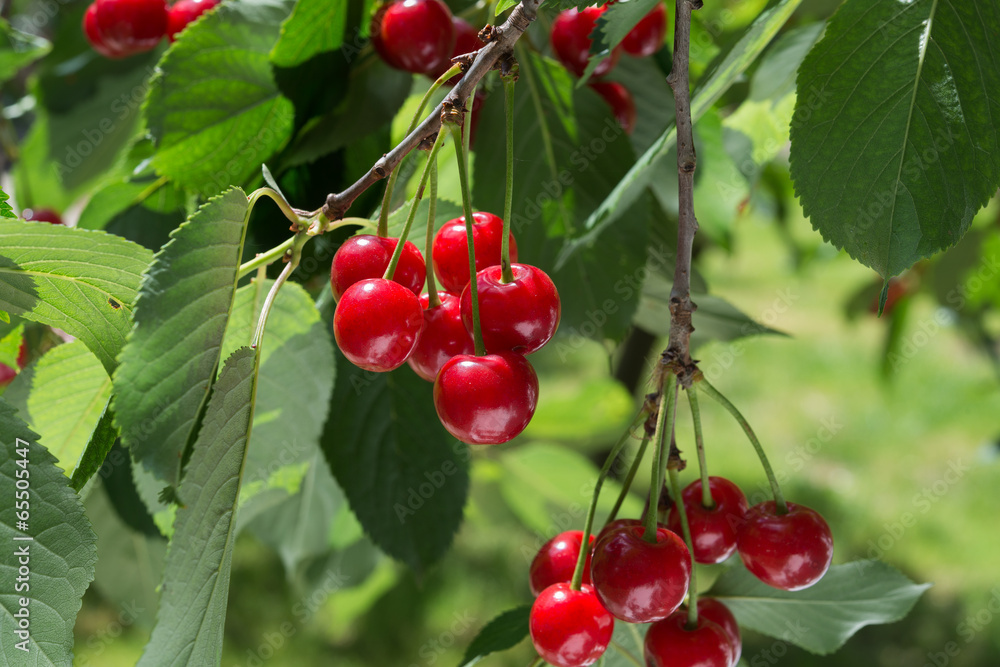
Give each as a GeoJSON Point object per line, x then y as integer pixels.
{"type": "Point", "coordinates": [499, 48]}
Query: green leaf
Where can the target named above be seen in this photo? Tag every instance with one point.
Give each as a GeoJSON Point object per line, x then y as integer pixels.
{"type": "Point", "coordinates": [896, 132]}
{"type": "Point", "coordinates": [83, 282]}
{"type": "Point", "coordinates": [406, 479]}
{"type": "Point", "coordinates": [504, 5]}
{"type": "Point", "coordinates": [57, 548]}
{"type": "Point", "coordinates": [70, 391]}
{"type": "Point", "coordinates": [611, 28]}
{"type": "Point", "coordinates": [101, 441]}
{"type": "Point", "coordinates": [18, 49]}
{"type": "Point", "coordinates": [823, 617]}
{"type": "Point", "coordinates": [721, 75]}
{"type": "Point", "coordinates": [503, 632]}
{"type": "Point", "coordinates": [171, 357]}
{"type": "Point", "coordinates": [314, 26]}
{"type": "Point", "coordinates": [214, 108]}
{"type": "Point", "coordinates": [5, 210]}
{"type": "Point", "coordinates": [195, 589]}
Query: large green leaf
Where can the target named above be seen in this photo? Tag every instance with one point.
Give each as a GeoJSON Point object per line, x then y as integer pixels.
{"type": "Point", "coordinates": [195, 590]}
{"type": "Point", "coordinates": [214, 108]}
{"type": "Point", "coordinates": [83, 282]}
{"type": "Point", "coordinates": [820, 618]}
{"type": "Point", "coordinates": [171, 357]}
{"type": "Point", "coordinates": [896, 132]}
{"type": "Point", "coordinates": [405, 478]}
{"type": "Point", "coordinates": [5, 210]}
{"type": "Point", "coordinates": [51, 551]}
{"type": "Point", "coordinates": [18, 49]}
{"type": "Point", "coordinates": [314, 26]}
{"type": "Point", "coordinates": [503, 632]}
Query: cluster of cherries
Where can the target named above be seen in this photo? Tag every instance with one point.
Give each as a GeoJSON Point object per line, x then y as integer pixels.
{"type": "Point", "coordinates": [628, 577]}
{"type": "Point", "coordinates": [380, 324]}
{"type": "Point", "coordinates": [123, 28]}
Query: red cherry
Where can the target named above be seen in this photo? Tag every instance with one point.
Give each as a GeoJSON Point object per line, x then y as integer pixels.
{"type": "Point", "coordinates": [96, 39]}
{"type": "Point", "coordinates": [646, 37]}
{"type": "Point", "coordinates": [570, 37]}
{"type": "Point", "coordinates": [365, 256]}
{"type": "Point", "coordinates": [637, 581]}
{"type": "Point", "coordinates": [450, 251]}
{"type": "Point", "coordinates": [377, 323]}
{"type": "Point", "coordinates": [443, 336]}
{"type": "Point", "coordinates": [522, 315]}
{"type": "Point", "coordinates": [183, 12]}
{"type": "Point", "coordinates": [44, 214]}
{"type": "Point", "coordinates": [670, 644]}
{"type": "Point", "coordinates": [486, 400]}
{"type": "Point", "coordinates": [7, 375]}
{"type": "Point", "coordinates": [620, 100]}
{"type": "Point", "coordinates": [131, 26]}
{"type": "Point", "coordinates": [22, 354]}
{"type": "Point", "coordinates": [788, 551]}
{"type": "Point", "coordinates": [616, 525]}
{"type": "Point", "coordinates": [556, 560]}
{"type": "Point", "coordinates": [713, 531]}
{"type": "Point", "coordinates": [713, 610]}
{"type": "Point", "coordinates": [466, 41]}
{"type": "Point", "coordinates": [414, 35]}
{"type": "Point", "coordinates": [570, 628]}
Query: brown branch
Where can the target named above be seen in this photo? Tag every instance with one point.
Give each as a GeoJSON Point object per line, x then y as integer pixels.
{"type": "Point", "coordinates": [497, 51]}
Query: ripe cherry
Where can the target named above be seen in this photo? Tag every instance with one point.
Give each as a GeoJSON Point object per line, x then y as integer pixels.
{"type": "Point", "coordinates": [636, 580]}
{"type": "Point", "coordinates": [570, 628]}
{"type": "Point", "coordinates": [43, 214]}
{"type": "Point", "coordinates": [450, 251]}
{"type": "Point", "coordinates": [788, 551]}
{"type": "Point", "coordinates": [466, 41]}
{"type": "Point", "coordinates": [620, 100]}
{"type": "Point", "coordinates": [183, 12]}
{"type": "Point", "coordinates": [376, 324]}
{"type": "Point", "coordinates": [717, 612]}
{"type": "Point", "coordinates": [127, 27]}
{"type": "Point", "coordinates": [646, 37]}
{"type": "Point", "coordinates": [7, 375]}
{"type": "Point", "coordinates": [93, 34]}
{"type": "Point", "coordinates": [486, 400]}
{"type": "Point", "coordinates": [669, 643]}
{"type": "Point", "coordinates": [713, 531]}
{"type": "Point", "coordinates": [521, 315]}
{"type": "Point", "coordinates": [443, 336]}
{"type": "Point", "coordinates": [414, 35]}
{"type": "Point", "coordinates": [570, 37]}
{"type": "Point", "coordinates": [366, 256]}
{"type": "Point", "coordinates": [556, 561]}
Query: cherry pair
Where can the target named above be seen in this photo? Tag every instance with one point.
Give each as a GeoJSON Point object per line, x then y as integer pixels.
{"type": "Point", "coordinates": [421, 36]}
{"type": "Point", "coordinates": [122, 28]}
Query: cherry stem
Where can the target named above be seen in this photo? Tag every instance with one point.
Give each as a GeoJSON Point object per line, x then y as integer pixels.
{"type": "Point", "coordinates": [588, 523]}
{"type": "Point", "coordinates": [506, 274]}
{"type": "Point", "coordinates": [706, 490]}
{"type": "Point", "coordinates": [299, 240]}
{"type": "Point", "coordinates": [629, 478]}
{"type": "Point", "coordinates": [661, 437]}
{"type": "Point", "coordinates": [625, 653]}
{"type": "Point", "coordinates": [398, 252]}
{"type": "Point", "coordinates": [675, 492]}
{"type": "Point", "coordinates": [779, 498]}
{"type": "Point", "coordinates": [537, 662]}
{"type": "Point", "coordinates": [265, 258]}
{"type": "Point", "coordinates": [433, 300]}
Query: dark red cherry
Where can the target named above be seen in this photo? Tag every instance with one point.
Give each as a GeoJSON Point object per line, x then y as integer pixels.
{"type": "Point", "coordinates": [636, 580]}
{"type": "Point", "coordinates": [713, 531]}
{"type": "Point", "coordinates": [570, 628]}
{"type": "Point", "coordinates": [43, 214]}
{"type": "Point", "coordinates": [414, 35]}
{"type": "Point", "coordinates": [486, 400]}
{"type": "Point", "coordinates": [570, 37]}
{"type": "Point", "coordinates": [443, 336]}
{"type": "Point", "coordinates": [646, 37]}
{"type": "Point", "coordinates": [376, 324]}
{"type": "Point", "coordinates": [22, 354]}
{"type": "Point", "coordinates": [788, 551]}
{"type": "Point", "coordinates": [556, 561]}
{"type": "Point", "coordinates": [367, 256]}
{"type": "Point", "coordinates": [620, 100]}
{"type": "Point", "coordinates": [450, 251]}
{"type": "Point", "coordinates": [7, 375]}
{"type": "Point", "coordinates": [183, 12]}
{"type": "Point", "coordinates": [717, 612]}
{"type": "Point", "coordinates": [521, 315]}
{"type": "Point", "coordinates": [669, 643]}
{"type": "Point", "coordinates": [93, 35]}
{"type": "Point", "coordinates": [466, 41]}
{"type": "Point", "coordinates": [131, 26]}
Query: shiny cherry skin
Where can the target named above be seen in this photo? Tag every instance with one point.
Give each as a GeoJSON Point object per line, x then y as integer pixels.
{"type": "Point", "coordinates": [713, 531]}
{"type": "Point", "coordinates": [788, 551]}
{"type": "Point", "coordinates": [442, 337]}
{"type": "Point", "coordinates": [714, 610]}
{"type": "Point", "coordinates": [556, 561]}
{"type": "Point", "coordinates": [669, 643]}
{"type": "Point", "coordinates": [646, 37]}
{"type": "Point", "coordinates": [620, 100]}
{"type": "Point", "coordinates": [367, 256]}
{"type": "Point", "coordinates": [183, 12]}
{"type": "Point", "coordinates": [450, 252]}
{"type": "Point", "coordinates": [414, 35]}
{"type": "Point", "coordinates": [43, 214]}
{"type": "Point", "coordinates": [94, 36]}
{"type": "Point", "coordinates": [376, 324]}
{"type": "Point", "coordinates": [570, 38]}
{"type": "Point", "coordinates": [638, 581]}
{"type": "Point", "coordinates": [522, 315]}
{"type": "Point", "coordinates": [486, 400]}
{"type": "Point", "coordinates": [128, 27]}
{"type": "Point", "coordinates": [466, 41]}
{"type": "Point", "coordinates": [617, 524]}
{"type": "Point", "coordinates": [570, 628]}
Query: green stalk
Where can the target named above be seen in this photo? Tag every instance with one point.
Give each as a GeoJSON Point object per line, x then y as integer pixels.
{"type": "Point", "coordinates": [706, 491]}
{"type": "Point", "coordinates": [433, 300]}
{"type": "Point", "coordinates": [265, 258]}
{"type": "Point", "coordinates": [627, 483]}
{"type": "Point", "coordinates": [675, 491]}
{"type": "Point", "coordinates": [661, 438]}
{"type": "Point", "coordinates": [506, 274]}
